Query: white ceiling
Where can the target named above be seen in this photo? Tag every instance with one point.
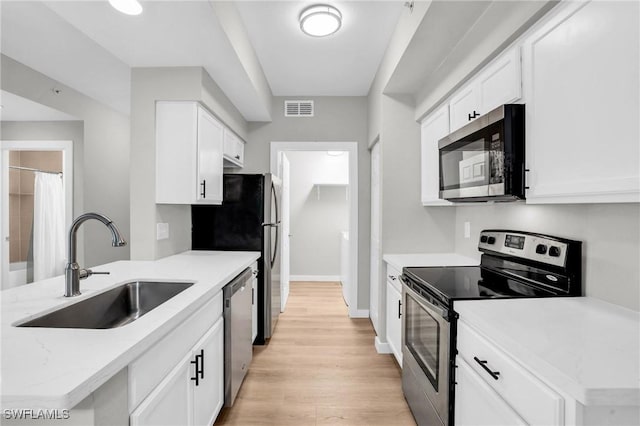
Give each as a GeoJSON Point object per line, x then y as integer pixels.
{"type": "Point", "coordinates": [90, 47]}
{"type": "Point", "coordinates": [343, 64]}
{"type": "Point", "coordinates": [17, 108]}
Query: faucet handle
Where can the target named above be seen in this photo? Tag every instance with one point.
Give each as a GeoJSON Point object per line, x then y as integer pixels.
{"type": "Point", "coordinates": [86, 273]}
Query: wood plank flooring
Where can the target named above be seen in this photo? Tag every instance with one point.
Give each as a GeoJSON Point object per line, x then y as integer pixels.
{"type": "Point", "coordinates": [320, 368]}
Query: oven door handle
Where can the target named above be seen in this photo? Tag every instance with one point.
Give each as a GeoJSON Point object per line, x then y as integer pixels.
{"type": "Point", "coordinates": [424, 301]}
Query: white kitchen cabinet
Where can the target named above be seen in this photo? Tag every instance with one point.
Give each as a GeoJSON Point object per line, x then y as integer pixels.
{"type": "Point", "coordinates": [208, 391]}
{"type": "Point", "coordinates": [434, 128]}
{"type": "Point", "coordinates": [254, 302]}
{"type": "Point", "coordinates": [500, 82]}
{"type": "Point", "coordinates": [189, 144]}
{"type": "Point", "coordinates": [170, 403]}
{"type": "Point", "coordinates": [529, 398]}
{"type": "Point", "coordinates": [477, 404]}
{"type": "Point", "coordinates": [233, 149]}
{"type": "Point", "coordinates": [394, 313]}
{"type": "Point", "coordinates": [180, 399]}
{"type": "Point", "coordinates": [581, 68]}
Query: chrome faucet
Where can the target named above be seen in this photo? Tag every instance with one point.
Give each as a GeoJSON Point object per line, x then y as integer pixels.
{"type": "Point", "coordinates": [73, 273]}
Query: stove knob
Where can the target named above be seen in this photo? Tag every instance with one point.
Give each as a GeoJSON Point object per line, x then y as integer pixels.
{"type": "Point", "coordinates": [483, 238]}
{"type": "Point", "coordinates": [554, 251]}
{"type": "Point", "coordinates": [491, 240]}
{"type": "Point", "coordinates": [541, 249]}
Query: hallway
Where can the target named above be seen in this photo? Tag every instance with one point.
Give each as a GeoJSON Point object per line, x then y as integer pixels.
{"type": "Point", "coordinates": [319, 368]}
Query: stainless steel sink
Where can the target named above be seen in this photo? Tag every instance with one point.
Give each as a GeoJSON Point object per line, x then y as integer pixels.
{"type": "Point", "coordinates": [114, 308]}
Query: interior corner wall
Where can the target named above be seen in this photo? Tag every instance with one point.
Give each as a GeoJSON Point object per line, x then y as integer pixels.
{"type": "Point", "coordinates": [149, 85]}
{"type": "Point", "coordinates": [340, 119]}
{"type": "Point", "coordinates": [318, 215]}
{"type": "Point", "coordinates": [102, 163]}
{"type": "Point", "coordinates": [407, 226]}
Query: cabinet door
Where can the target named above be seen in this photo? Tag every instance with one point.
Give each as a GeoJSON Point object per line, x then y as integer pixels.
{"type": "Point", "coordinates": [233, 149]}
{"type": "Point", "coordinates": [394, 322]}
{"type": "Point", "coordinates": [210, 136]}
{"type": "Point", "coordinates": [501, 82]}
{"type": "Point", "coordinates": [476, 404]}
{"type": "Point", "coordinates": [581, 89]}
{"type": "Point", "coordinates": [464, 107]}
{"type": "Point", "coordinates": [434, 128]}
{"type": "Point", "coordinates": [171, 402]}
{"type": "Point", "coordinates": [208, 393]}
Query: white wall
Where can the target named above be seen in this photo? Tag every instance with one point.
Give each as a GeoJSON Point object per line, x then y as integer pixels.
{"type": "Point", "coordinates": [147, 86]}
{"type": "Point", "coordinates": [340, 119]}
{"type": "Point", "coordinates": [317, 220]}
{"type": "Point", "coordinates": [104, 187]}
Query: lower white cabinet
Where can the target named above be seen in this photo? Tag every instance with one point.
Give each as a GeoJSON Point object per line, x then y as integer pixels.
{"type": "Point", "coordinates": [193, 392]}
{"type": "Point", "coordinates": [517, 394]}
{"type": "Point", "coordinates": [394, 313]}
{"type": "Point", "coordinates": [479, 405]}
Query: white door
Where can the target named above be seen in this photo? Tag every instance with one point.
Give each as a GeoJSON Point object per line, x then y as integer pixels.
{"type": "Point", "coordinates": [286, 227]}
{"type": "Point", "coordinates": [210, 145]}
{"type": "Point", "coordinates": [208, 396]}
{"type": "Point", "coordinates": [375, 237]}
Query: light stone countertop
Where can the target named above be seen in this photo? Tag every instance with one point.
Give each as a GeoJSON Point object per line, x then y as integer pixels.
{"type": "Point", "coordinates": [400, 261]}
{"type": "Point", "coordinates": [585, 347]}
{"type": "Point", "coordinates": [58, 368]}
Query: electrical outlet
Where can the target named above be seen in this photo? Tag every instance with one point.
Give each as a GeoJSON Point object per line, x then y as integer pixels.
{"type": "Point", "coordinates": [162, 231]}
{"type": "Point", "coordinates": [467, 230]}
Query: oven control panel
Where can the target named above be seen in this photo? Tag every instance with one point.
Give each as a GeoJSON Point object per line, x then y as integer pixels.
{"type": "Point", "coordinates": [527, 246]}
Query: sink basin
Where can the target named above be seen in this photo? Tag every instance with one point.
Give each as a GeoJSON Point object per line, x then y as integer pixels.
{"type": "Point", "coordinates": [114, 308]}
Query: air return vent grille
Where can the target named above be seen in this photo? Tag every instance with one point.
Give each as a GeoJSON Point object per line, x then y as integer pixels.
{"type": "Point", "coordinates": [298, 108]}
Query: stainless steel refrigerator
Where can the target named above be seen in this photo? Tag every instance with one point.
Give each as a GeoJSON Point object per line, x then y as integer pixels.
{"type": "Point", "coordinates": [247, 220]}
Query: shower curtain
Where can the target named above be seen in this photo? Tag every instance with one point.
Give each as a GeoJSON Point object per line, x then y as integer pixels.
{"type": "Point", "coordinates": [48, 226]}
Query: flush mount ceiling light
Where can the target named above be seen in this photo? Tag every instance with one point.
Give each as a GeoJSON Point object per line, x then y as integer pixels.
{"type": "Point", "coordinates": [128, 7]}
{"type": "Point", "coordinates": [320, 20]}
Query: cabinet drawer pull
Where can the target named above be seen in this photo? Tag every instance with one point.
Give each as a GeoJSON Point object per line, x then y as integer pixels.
{"type": "Point", "coordinates": [204, 189]}
{"type": "Point", "coordinates": [472, 116]}
{"type": "Point", "coordinates": [399, 308]}
{"type": "Point", "coordinates": [201, 363]}
{"type": "Point", "coordinates": [392, 278]}
{"type": "Point", "coordinates": [483, 364]}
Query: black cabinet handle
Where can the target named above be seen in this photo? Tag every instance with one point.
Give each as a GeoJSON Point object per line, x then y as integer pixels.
{"type": "Point", "coordinates": [237, 157]}
{"type": "Point", "coordinates": [197, 377]}
{"type": "Point", "coordinates": [475, 114]}
{"type": "Point", "coordinates": [204, 189]}
{"type": "Point", "coordinates": [252, 296]}
{"type": "Point", "coordinates": [399, 308]}
{"type": "Point", "coordinates": [392, 277]}
{"type": "Point", "coordinates": [483, 364]}
{"type": "Point", "coordinates": [201, 363]}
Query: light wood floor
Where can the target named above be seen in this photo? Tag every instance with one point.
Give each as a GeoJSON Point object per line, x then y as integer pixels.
{"type": "Point", "coordinates": [319, 368]}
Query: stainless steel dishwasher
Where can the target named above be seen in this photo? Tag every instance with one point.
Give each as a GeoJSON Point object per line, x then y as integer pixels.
{"type": "Point", "coordinates": [238, 349]}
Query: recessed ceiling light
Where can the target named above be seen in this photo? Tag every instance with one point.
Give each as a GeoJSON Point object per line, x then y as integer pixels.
{"type": "Point", "coordinates": [128, 7]}
{"type": "Point", "coordinates": [320, 20]}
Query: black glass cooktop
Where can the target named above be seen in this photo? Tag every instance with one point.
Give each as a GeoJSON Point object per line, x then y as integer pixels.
{"type": "Point", "coordinates": [471, 282]}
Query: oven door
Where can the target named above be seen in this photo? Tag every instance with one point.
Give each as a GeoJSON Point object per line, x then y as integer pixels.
{"type": "Point", "coordinates": [425, 375]}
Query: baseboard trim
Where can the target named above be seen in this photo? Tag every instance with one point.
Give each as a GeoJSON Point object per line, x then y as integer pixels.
{"type": "Point", "coordinates": [359, 313]}
{"type": "Point", "coordinates": [316, 278]}
{"type": "Point", "coordinates": [382, 348]}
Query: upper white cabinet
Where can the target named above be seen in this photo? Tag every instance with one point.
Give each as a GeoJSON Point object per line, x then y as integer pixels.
{"type": "Point", "coordinates": [233, 149]}
{"type": "Point", "coordinates": [189, 144]}
{"type": "Point", "coordinates": [498, 83]}
{"type": "Point", "coordinates": [434, 128]}
{"type": "Point", "coordinates": [581, 70]}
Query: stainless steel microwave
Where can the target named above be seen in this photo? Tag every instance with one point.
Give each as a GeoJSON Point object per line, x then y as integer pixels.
{"type": "Point", "coordinates": [484, 160]}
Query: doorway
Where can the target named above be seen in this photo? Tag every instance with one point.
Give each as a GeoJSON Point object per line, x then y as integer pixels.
{"type": "Point", "coordinates": [20, 161]}
{"type": "Point", "coordinates": [332, 187]}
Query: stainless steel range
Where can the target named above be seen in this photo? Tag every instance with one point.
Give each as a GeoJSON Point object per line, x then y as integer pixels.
{"type": "Point", "coordinates": [514, 264]}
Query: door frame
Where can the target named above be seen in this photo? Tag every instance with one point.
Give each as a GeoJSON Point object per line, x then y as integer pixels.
{"type": "Point", "coordinates": [352, 148]}
{"type": "Point", "coordinates": [66, 146]}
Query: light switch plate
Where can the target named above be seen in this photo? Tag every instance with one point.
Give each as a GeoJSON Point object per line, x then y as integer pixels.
{"type": "Point", "coordinates": [162, 231]}
{"type": "Point", "coordinates": [467, 229]}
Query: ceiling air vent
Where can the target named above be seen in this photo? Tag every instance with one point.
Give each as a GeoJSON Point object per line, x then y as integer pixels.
{"type": "Point", "coordinates": [298, 108]}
